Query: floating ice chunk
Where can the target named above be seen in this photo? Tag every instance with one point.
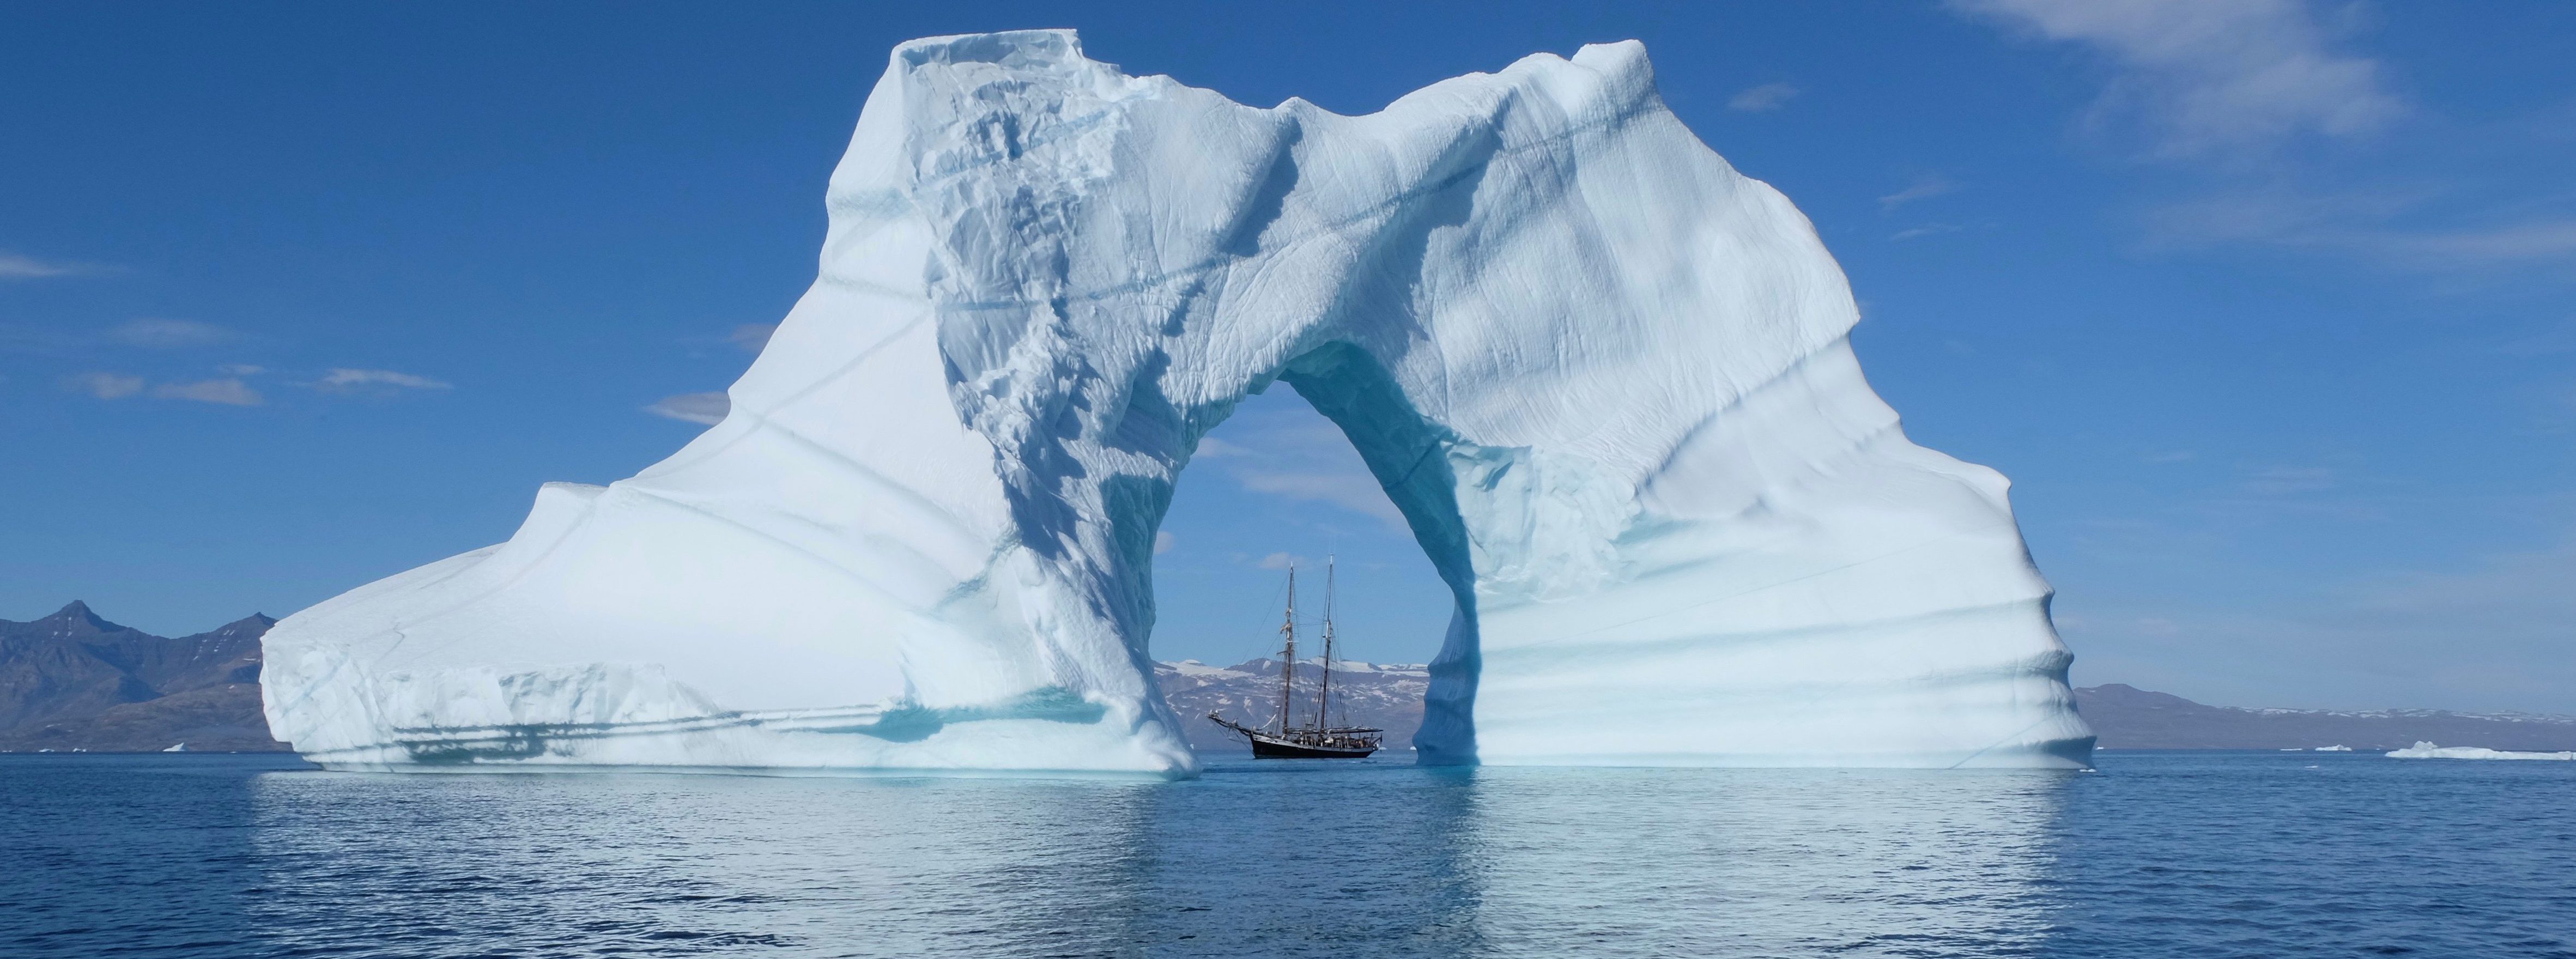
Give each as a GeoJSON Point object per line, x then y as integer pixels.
{"type": "Point", "coordinates": [1605, 378]}
{"type": "Point", "coordinates": [2424, 750]}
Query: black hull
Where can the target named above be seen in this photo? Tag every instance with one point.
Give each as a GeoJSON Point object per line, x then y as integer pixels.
{"type": "Point", "coordinates": [1275, 750]}
{"type": "Point", "coordinates": [1339, 742]}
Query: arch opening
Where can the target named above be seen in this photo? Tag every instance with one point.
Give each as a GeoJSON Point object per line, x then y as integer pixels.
{"type": "Point", "coordinates": [1337, 463]}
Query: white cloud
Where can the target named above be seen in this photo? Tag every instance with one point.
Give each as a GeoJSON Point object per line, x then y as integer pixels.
{"type": "Point", "coordinates": [105, 386]}
{"type": "Point", "coordinates": [2539, 578]}
{"type": "Point", "coordinates": [1291, 452]}
{"type": "Point", "coordinates": [169, 334]}
{"type": "Point", "coordinates": [1213, 448]}
{"type": "Point", "coordinates": [1354, 491]}
{"type": "Point", "coordinates": [117, 386]}
{"type": "Point", "coordinates": [752, 337]}
{"type": "Point", "coordinates": [2289, 480]}
{"type": "Point", "coordinates": [2551, 340]}
{"type": "Point", "coordinates": [2538, 240]}
{"type": "Point", "coordinates": [2375, 225]}
{"type": "Point", "coordinates": [344, 380]}
{"type": "Point", "coordinates": [2231, 82]}
{"type": "Point", "coordinates": [1276, 561]}
{"type": "Point", "coordinates": [230, 392]}
{"type": "Point", "coordinates": [2214, 76]}
{"type": "Point", "coordinates": [1928, 229]}
{"type": "Point", "coordinates": [1164, 541]}
{"type": "Point", "coordinates": [2491, 635]}
{"type": "Point", "coordinates": [1769, 96]}
{"type": "Point", "coordinates": [705, 408]}
{"type": "Point", "coordinates": [1924, 187]}
{"type": "Point", "coordinates": [17, 267]}
{"type": "Point", "coordinates": [18, 338]}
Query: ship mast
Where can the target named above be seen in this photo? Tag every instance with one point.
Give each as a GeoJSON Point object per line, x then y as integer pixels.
{"type": "Point", "coordinates": [1288, 654]}
{"type": "Point", "coordinates": [1324, 694]}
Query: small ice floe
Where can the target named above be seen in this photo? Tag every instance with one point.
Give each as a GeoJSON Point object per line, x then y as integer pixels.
{"type": "Point", "coordinates": [2425, 750]}
{"type": "Point", "coordinates": [180, 748]}
{"type": "Point", "coordinates": [2334, 749]}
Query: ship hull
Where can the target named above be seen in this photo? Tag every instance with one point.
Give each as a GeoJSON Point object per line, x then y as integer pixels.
{"type": "Point", "coordinates": [1340, 742]}
{"type": "Point", "coordinates": [1265, 748]}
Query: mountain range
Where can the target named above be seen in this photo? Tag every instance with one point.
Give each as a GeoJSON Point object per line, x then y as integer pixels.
{"type": "Point", "coordinates": [2126, 717]}
{"type": "Point", "coordinates": [1364, 694]}
{"type": "Point", "coordinates": [74, 681]}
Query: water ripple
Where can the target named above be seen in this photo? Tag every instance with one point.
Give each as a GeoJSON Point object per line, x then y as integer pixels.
{"type": "Point", "coordinates": [2255, 855]}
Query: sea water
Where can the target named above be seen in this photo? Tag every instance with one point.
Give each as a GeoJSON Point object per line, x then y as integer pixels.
{"type": "Point", "coordinates": [2155, 855]}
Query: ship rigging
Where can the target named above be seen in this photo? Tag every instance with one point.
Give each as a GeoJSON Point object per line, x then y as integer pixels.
{"type": "Point", "coordinates": [1318, 739]}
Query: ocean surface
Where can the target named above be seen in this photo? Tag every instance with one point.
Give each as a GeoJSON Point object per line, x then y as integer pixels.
{"type": "Point", "coordinates": [2156, 855]}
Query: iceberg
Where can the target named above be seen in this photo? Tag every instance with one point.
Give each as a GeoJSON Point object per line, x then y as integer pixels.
{"type": "Point", "coordinates": [2425, 750]}
{"type": "Point", "coordinates": [1606, 378]}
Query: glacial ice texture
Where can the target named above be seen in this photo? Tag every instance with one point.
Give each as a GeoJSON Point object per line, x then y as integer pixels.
{"type": "Point", "coordinates": [1605, 377]}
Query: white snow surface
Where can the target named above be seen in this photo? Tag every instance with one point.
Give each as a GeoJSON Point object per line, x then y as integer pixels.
{"type": "Point", "coordinates": [1605, 377]}
{"type": "Point", "coordinates": [2425, 750]}
{"type": "Point", "coordinates": [1192, 667]}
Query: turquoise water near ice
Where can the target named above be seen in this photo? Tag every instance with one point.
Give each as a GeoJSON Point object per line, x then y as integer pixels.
{"type": "Point", "coordinates": [2155, 855]}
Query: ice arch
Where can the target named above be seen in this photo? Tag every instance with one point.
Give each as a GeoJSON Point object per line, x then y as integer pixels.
{"type": "Point", "coordinates": [1604, 376]}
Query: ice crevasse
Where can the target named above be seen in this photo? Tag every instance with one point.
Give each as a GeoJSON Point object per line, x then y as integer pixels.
{"type": "Point", "coordinates": [1605, 377]}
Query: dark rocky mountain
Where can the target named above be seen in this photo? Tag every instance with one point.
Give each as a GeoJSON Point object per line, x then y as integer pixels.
{"type": "Point", "coordinates": [1364, 694]}
{"type": "Point", "coordinates": [2132, 718]}
{"type": "Point", "coordinates": [75, 681]}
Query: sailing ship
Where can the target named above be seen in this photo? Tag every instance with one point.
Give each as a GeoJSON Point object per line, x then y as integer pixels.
{"type": "Point", "coordinates": [1314, 740]}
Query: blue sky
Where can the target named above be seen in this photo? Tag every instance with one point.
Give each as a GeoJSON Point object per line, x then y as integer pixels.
{"type": "Point", "coordinates": [2264, 305]}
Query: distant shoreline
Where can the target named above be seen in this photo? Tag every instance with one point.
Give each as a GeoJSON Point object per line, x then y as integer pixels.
{"type": "Point", "coordinates": [74, 681]}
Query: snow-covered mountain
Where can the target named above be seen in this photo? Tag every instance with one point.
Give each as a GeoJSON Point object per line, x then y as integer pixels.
{"type": "Point", "coordinates": [1387, 696]}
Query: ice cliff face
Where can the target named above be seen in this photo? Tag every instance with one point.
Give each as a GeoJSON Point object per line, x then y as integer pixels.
{"type": "Point", "coordinates": [1604, 376]}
